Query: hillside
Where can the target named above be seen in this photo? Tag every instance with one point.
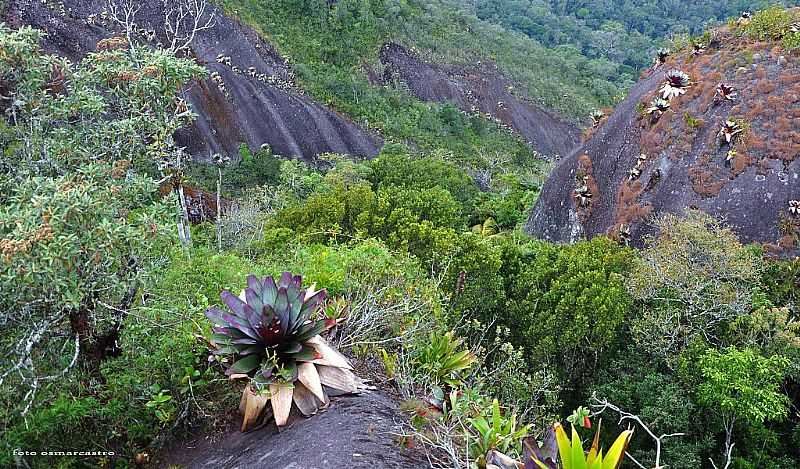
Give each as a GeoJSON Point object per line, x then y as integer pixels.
{"type": "Point", "coordinates": [615, 40]}
{"type": "Point", "coordinates": [291, 233]}
{"type": "Point", "coordinates": [266, 108]}
{"type": "Point", "coordinates": [686, 163]}
{"type": "Point", "coordinates": [301, 102]}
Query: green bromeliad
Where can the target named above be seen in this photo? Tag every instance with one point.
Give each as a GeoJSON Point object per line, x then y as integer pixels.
{"type": "Point", "coordinates": [268, 335]}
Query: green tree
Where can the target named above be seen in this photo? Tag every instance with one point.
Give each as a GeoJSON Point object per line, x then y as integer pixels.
{"type": "Point", "coordinates": [742, 385]}
{"type": "Point", "coordinates": [567, 304]}
{"type": "Point", "coordinates": [691, 281]}
{"type": "Point", "coordinates": [80, 213]}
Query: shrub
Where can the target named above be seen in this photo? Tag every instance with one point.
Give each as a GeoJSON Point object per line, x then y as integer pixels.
{"type": "Point", "coordinates": [80, 222]}
{"type": "Point", "coordinates": [691, 281]}
{"type": "Point", "coordinates": [772, 23]}
{"type": "Point", "coordinates": [567, 304]}
{"type": "Point", "coordinates": [251, 171]}
{"type": "Point", "coordinates": [473, 281]}
{"type": "Point", "coordinates": [741, 384]}
{"type": "Point", "coordinates": [159, 354]}
{"type": "Point", "coordinates": [664, 402]}
{"type": "Point", "coordinates": [403, 170]}
{"type": "Point", "coordinates": [441, 360]}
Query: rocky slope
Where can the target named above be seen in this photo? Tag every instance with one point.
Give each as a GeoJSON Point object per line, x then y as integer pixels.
{"type": "Point", "coordinates": [251, 97]}
{"type": "Point", "coordinates": [481, 89]}
{"type": "Point", "coordinates": [638, 165]}
{"type": "Point", "coordinates": [355, 432]}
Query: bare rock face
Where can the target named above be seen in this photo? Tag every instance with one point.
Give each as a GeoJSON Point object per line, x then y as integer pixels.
{"type": "Point", "coordinates": [480, 89]}
{"type": "Point", "coordinates": [638, 165]}
{"type": "Point", "coordinates": [249, 96]}
{"type": "Point", "coordinates": [355, 432]}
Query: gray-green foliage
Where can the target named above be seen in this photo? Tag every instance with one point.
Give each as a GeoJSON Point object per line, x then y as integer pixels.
{"type": "Point", "coordinates": [80, 210]}
{"type": "Point", "coordinates": [691, 280]}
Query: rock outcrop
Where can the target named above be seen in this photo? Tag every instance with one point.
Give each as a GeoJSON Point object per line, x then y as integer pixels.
{"type": "Point", "coordinates": [354, 432]}
{"type": "Point", "coordinates": [637, 165]}
{"type": "Point", "coordinates": [249, 96]}
{"type": "Point", "coordinates": [481, 89]}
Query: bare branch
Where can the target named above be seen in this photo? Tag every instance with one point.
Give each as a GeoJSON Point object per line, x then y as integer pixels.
{"type": "Point", "coordinates": [183, 19]}
{"type": "Point", "coordinates": [123, 13]}
{"type": "Point", "coordinates": [601, 405]}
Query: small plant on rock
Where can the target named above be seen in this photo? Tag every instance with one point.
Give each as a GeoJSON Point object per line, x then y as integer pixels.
{"type": "Point", "coordinates": [676, 84]}
{"type": "Point", "coordinates": [268, 336]}
{"type": "Point", "coordinates": [744, 18]}
{"type": "Point", "coordinates": [443, 360]}
{"type": "Point", "coordinates": [725, 92]}
{"type": "Point", "coordinates": [729, 130]}
{"type": "Point", "coordinates": [660, 58]}
{"type": "Point", "coordinates": [583, 195]}
{"type": "Point", "coordinates": [658, 106]}
{"type": "Point", "coordinates": [597, 117]}
{"type": "Point", "coordinates": [794, 207]}
{"type": "Point", "coordinates": [698, 48]}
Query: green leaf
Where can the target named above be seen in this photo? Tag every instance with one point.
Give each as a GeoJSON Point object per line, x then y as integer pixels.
{"type": "Point", "coordinates": [246, 364]}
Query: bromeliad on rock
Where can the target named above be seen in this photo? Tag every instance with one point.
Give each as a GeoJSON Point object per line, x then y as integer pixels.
{"type": "Point", "coordinates": [597, 117]}
{"type": "Point", "coordinates": [725, 92]}
{"type": "Point", "coordinates": [268, 336]}
{"type": "Point", "coordinates": [675, 84]}
{"type": "Point", "coordinates": [658, 106]}
{"type": "Point", "coordinates": [729, 130]}
{"type": "Point", "coordinates": [660, 58]}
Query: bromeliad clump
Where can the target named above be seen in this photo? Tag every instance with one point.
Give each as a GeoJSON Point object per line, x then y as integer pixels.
{"type": "Point", "coordinates": [658, 106]}
{"type": "Point", "coordinates": [676, 84]}
{"type": "Point", "coordinates": [725, 92]}
{"type": "Point", "coordinates": [597, 117]}
{"type": "Point", "coordinates": [660, 58]}
{"type": "Point", "coordinates": [729, 130]}
{"type": "Point", "coordinates": [270, 337]}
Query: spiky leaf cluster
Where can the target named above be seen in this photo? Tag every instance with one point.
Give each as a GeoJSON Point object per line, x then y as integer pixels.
{"type": "Point", "coordinates": [265, 332]}
{"type": "Point", "coordinates": [726, 92]}
{"type": "Point", "coordinates": [730, 129]}
{"type": "Point", "coordinates": [661, 57]}
{"type": "Point", "coordinates": [675, 84]}
{"type": "Point", "coordinates": [597, 116]}
{"type": "Point", "coordinates": [658, 106]}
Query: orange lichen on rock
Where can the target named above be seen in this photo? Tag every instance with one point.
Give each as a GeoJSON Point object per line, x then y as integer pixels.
{"type": "Point", "coordinates": [705, 182]}
{"type": "Point", "coordinates": [628, 208]}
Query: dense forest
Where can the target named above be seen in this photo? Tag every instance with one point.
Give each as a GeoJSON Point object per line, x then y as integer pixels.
{"type": "Point", "coordinates": [122, 330]}
{"type": "Point", "coordinates": [611, 40]}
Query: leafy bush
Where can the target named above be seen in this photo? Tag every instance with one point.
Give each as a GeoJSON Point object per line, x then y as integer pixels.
{"type": "Point", "coordinates": [495, 430]}
{"type": "Point", "coordinates": [741, 384]}
{"type": "Point", "coordinates": [441, 360]}
{"type": "Point", "coordinates": [567, 304]}
{"type": "Point", "coordinates": [81, 224]}
{"type": "Point", "coordinates": [771, 23]}
{"type": "Point", "coordinates": [662, 400]}
{"type": "Point", "coordinates": [405, 171]}
{"type": "Point", "coordinates": [692, 280]}
{"type": "Point", "coordinates": [159, 355]}
{"type": "Point", "coordinates": [251, 171]}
